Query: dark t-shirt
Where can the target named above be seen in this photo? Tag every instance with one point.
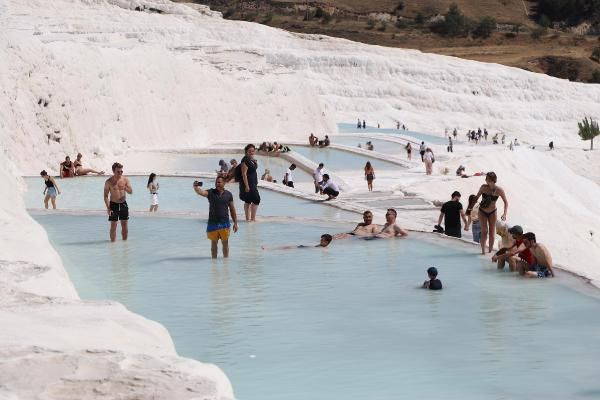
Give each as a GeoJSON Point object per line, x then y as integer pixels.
{"type": "Point", "coordinates": [251, 173]}
{"type": "Point", "coordinates": [451, 210]}
{"type": "Point", "coordinates": [435, 284]}
{"type": "Point", "coordinates": [218, 212]}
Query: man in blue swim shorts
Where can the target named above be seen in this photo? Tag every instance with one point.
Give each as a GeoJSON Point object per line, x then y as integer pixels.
{"type": "Point", "coordinates": [220, 206]}
{"type": "Point", "coordinates": [543, 266]}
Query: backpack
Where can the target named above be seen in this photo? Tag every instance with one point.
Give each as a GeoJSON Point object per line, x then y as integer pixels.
{"type": "Point", "coordinates": [237, 173]}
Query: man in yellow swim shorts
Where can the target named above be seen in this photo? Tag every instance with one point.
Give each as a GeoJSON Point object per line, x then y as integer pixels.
{"type": "Point", "coordinates": [220, 206]}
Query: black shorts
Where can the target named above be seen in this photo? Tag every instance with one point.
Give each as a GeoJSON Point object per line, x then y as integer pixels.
{"type": "Point", "coordinates": [290, 184]}
{"type": "Point", "coordinates": [330, 192]}
{"type": "Point", "coordinates": [119, 211]}
{"type": "Point", "coordinates": [250, 197]}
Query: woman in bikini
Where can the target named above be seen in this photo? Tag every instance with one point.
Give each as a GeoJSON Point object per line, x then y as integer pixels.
{"type": "Point", "coordinates": [488, 213]}
{"type": "Point", "coordinates": [79, 170]}
{"type": "Point", "coordinates": [408, 148]}
{"type": "Point", "coordinates": [369, 175]}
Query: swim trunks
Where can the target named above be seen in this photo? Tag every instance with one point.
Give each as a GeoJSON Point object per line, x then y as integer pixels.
{"type": "Point", "coordinates": [218, 231]}
{"type": "Point", "coordinates": [118, 211]}
{"type": "Point", "coordinates": [542, 272]}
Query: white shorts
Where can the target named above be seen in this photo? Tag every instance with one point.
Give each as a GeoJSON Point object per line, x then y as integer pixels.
{"type": "Point", "coordinates": [154, 199]}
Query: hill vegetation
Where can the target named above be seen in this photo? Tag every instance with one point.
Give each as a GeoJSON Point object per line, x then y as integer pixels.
{"type": "Point", "coordinates": [557, 37]}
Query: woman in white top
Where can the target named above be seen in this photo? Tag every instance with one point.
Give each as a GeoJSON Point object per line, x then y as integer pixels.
{"type": "Point", "coordinates": [429, 160]}
{"type": "Point", "coordinates": [153, 189]}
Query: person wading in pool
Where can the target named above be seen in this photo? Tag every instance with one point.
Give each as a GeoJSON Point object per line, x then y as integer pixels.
{"type": "Point", "coordinates": [366, 228]}
{"type": "Point", "coordinates": [249, 183]}
{"type": "Point", "coordinates": [220, 206]}
{"type": "Point", "coordinates": [451, 213]}
{"type": "Point", "coordinates": [488, 213]}
{"type": "Point", "coordinates": [115, 190]}
{"type": "Point", "coordinates": [51, 190]}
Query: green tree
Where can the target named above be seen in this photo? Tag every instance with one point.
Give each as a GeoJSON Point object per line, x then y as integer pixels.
{"type": "Point", "coordinates": [455, 24]}
{"type": "Point", "coordinates": [595, 76]}
{"type": "Point", "coordinates": [419, 18]}
{"type": "Point", "coordinates": [596, 54]}
{"type": "Point", "coordinates": [588, 130]}
{"type": "Point", "coordinates": [486, 26]}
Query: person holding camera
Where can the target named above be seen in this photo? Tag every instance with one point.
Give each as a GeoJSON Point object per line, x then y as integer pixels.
{"type": "Point", "coordinates": [220, 206]}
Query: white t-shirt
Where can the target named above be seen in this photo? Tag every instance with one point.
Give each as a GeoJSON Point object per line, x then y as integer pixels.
{"type": "Point", "coordinates": [331, 184]}
{"type": "Point", "coordinates": [422, 147]}
{"type": "Point", "coordinates": [318, 175]}
{"type": "Point", "coordinates": [428, 156]}
{"type": "Point", "coordinates": [289, 175]}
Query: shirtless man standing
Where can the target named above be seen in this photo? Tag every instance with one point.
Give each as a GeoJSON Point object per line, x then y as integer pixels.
{"type": "Point", "coordinates": [543, 267]}
{"type": "Point", "coordinates": [366, 228]}
{"type": "Point", "coordinates": [115, 189]}
{"type": "Point", "coordinates": [391, 229]}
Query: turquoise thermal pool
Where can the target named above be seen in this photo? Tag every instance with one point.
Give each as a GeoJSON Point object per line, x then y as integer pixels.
{"type": "Point", "coordinates": [346, 322]}
{"type": "Point", "coordinates": [379, 145]}
{"type": "Point", "coordinates": [351, 128]}
{"type": "Point", "coordinates": [175, 195]}
{"type": "Point", "coordinates": [209, 162]}
{"type": "Point", "coordinates": [340, 160]}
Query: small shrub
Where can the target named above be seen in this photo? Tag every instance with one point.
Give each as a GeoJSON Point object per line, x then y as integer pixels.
{"type": "Point", "coordinates": [399, 7]}
{"type": "Point", "coordinates": [401, 24]}
{"type": "Point", "coordinates": [319, 13]}
{"type": "Point", "coordinates": [326, 17]}
{"type": "Point", "coordinates": [228, 13]}
{"type": "Point", "coordinates": [545, 21]}
{"type": "Point", "coordinates": [419, 18]}
{"type": "Point", "coordinates": [537, 33]}
{"type": "Point", "coordinates": [595, 76]}
{"type": "Point", "coordinates": [371, 23]}
{"type": "Point", "coordinates": [268, 17]}
{"type": "Point", "coordinates": [484, 29]}
{"type": "Point", "coordinates": [454, 24]}
{"type": "Point", "coordinates": [596, 54]}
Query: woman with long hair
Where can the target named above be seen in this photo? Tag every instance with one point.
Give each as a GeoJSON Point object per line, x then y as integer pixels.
{"type": "Point", "coordinates": [51, 190]}
{"type": "Point", "coordinates": [249, 183]}
{"type": "Point", "coordinates": [369, 175]}
{"type": "Point", "coordinates": [488, 213]}
{"type": "Point", "coordinates": [152, 187]}
{"type": "Point", "coordinates": [473, 218]}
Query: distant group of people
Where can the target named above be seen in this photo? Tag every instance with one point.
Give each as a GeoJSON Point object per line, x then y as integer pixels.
{"type": "Point", "coordinates": [268, 147]}
{"type": "Point", "coordinates": [477, 135]}
{"type": "Point", "coordinates": [69, 169]}
{"type": "Point", "coordinates": [314, 141]}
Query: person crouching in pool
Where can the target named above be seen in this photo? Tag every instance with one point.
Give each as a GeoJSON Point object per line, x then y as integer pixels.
{"type": "Point", "coordinates": [115, 189]}
{"type": "Point", "coordinates": [543, 267]}
{"type": "Point", "coordinates": [366, 228]}
{"type": "Point", "coordinates": [220, 206]}
{"type": "Point", "coordinates": [330, 188]}
{"type": "Point", "coordinates": [518, 256]}
{"type": "Point", "coordinates": [391, 229]}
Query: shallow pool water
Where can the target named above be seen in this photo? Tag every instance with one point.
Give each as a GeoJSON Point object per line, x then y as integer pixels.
{"type": "Point", "coordinates": [175, 194]}
{"type": "Point", "coordinates": [182, 162]}
{"type": "Point", "coordinates": [351, 128]}
{"type": "Point", "coordinates": [379, 145]}
{"type": "Point", "coordinates": [341, 161]}
{"type": "Point", "coordinates": [347, 322]}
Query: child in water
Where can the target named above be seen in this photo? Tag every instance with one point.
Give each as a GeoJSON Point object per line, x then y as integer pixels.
{"type": "Point", "coordinates": [433, 283]}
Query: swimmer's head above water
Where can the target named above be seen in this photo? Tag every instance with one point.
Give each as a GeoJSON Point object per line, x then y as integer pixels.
{"type": "Point", "coordinates": [325, 240]}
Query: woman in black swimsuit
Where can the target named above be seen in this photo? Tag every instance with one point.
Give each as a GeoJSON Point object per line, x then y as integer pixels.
{"type": "Point", "coordinates": [249, 183]}
{"type": "Point", "coordinates": [369, 175]}
{"type": "Point", "coordinates": [488, 214]}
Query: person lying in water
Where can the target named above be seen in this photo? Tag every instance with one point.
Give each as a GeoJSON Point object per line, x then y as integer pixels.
{"type": "Point", "coordinates": [366, 228]}
{"type": "Point", "coordinates": [324, 242]}
{"type": "Point", "coordinates": [391, 228]}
